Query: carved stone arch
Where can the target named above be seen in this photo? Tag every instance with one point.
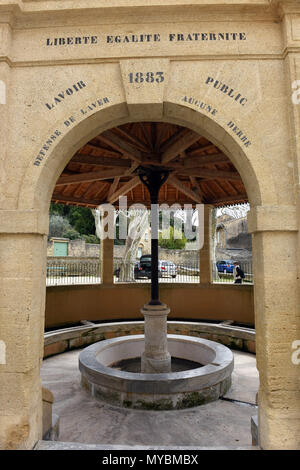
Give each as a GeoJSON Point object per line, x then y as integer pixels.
{"type": "Point", "coordinates": [39, 181]}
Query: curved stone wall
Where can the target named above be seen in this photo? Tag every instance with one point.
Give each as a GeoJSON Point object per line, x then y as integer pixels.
{"type": "Point", "coordinates": [59, 341]}
{"type": "Point", "coordinates": [71, 304]}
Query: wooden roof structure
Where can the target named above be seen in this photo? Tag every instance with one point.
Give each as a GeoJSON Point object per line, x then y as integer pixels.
{"type": "Point", "coordinates": [105, 168]}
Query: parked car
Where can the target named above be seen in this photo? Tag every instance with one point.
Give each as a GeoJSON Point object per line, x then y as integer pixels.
{"type": "Point", "coordinates": [143, 268]}
{"type": "Point", "coordinates": [225, 267]}
{"type": "Point", "coordinates": [167, 268]}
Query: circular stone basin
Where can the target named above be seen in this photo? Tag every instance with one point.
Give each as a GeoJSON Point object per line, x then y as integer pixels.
{"type": "Point", "coordinates": [174, 390]}
{"type": "Point", "coordinates": [134, 365]}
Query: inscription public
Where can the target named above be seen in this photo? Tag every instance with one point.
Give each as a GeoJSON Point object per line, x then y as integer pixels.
{"type": "Point", "coordinates": [226, 89]}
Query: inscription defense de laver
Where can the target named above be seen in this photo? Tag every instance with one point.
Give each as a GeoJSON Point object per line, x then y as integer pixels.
{"type": "Point", "coordinates": [145, 38]}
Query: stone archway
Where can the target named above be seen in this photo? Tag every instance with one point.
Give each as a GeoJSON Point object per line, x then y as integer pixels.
{"type": "Point", "coordinates": [27, 233]}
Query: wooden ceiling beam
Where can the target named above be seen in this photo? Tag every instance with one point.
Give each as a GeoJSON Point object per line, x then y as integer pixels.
{"type": "Point", "coordinates": [134, 139]}
{"type": "Point", "coordinates": [104, 151]}
{"type": "Point", "coordinates": [196, 187]}
{"type": "Point", "coordinates": [202, 149]}
{"type": "Point", "coordinates": [198, 161]}
{"type": "Point", "coordinates": [211, 174]}
{"type": "Point", "coordinates": [173, 181]}
{"type": "Point", "coordinates": [227, 199]}
{"type": "Point", "coordinates": [121, 145]}
{"type": "Point", "coordinates": [125, 188]}
{"type": "Point", "coordinates": [89, 177]}
{"type": "Point", "coordinates": [192, 162]}
{"type": "Point", "coordinates": [179, 146]}
{"type": "Point", "coordinates": [60, 199]}
{"type": "Point", "coordinates": [100, 161]}
{"type": "Point", "coordinates": [172, 139]}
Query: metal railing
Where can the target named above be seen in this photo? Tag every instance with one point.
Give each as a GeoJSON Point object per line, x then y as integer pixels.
{"type": "Point", "coordinates": [69, 272]}
{"type": "Point", "coordinates": [170, 273]}
{"type": "Point", "coordinates": [223, 273]}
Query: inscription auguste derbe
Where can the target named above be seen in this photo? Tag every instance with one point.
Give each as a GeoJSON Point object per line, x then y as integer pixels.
{"type": "Point", "coordinates": [145, 38]}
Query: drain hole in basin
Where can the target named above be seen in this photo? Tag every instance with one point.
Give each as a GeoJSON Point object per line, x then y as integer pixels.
{"type": "Point", "coordinates": [134, 365]}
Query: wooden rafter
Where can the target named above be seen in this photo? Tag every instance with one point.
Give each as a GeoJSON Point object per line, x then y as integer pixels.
{"type": "Point", "coordinates": [104, 168]}
{"type": "Point", "coordinates": [101, 161]}
{"type": "Point", "coordinates": [89, 177]}
{"type": "Point", "coordinates": [172, 139]}
{"type": "Point", "coordinates": [192, 162]}
{"type": "Point", "coordinates": [75, 200]}
{"type": "Point", "coordinates": [228, 199]}
{"type": "Point", "coordinates": [125, 188]}
{"type": "Point", "coordinates": [211, 174]}
{"type": "Point", "coordinates": [188, 139]}
{"type": "Point", "coordinates": [184, 189]}
{"type": "Point", "coordinates": [113, 187]}
{"type": "Point", "coordinates": [104, 152]}
{"type": "Point", "coordinates": [121, 145]}
{"type": "Point", "coordinates": [196, 187]}
{"type": "Point", "coordinates": [202, 148]}
{"type": "Point", "coordinates": [135, 140]}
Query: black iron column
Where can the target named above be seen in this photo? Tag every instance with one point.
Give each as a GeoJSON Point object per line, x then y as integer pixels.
{"type": "Point", "coordinates": [154, 178]}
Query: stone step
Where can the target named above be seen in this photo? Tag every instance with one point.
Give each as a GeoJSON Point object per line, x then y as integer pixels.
{"type": "Point", "coordinates": [55, 445]}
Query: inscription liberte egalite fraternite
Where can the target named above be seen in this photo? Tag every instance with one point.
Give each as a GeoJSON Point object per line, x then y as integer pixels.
{"type": "Point", "coordinates": [145, 38]}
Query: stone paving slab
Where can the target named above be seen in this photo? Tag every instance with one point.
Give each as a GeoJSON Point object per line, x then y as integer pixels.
{"type": "Point", "coordinates": [86, 421]}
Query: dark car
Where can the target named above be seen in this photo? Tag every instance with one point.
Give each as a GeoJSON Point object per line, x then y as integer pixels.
{"type": "Point", "coordinates": [142, 269]}
{"type": "Point", "coordinates": [225, 267]}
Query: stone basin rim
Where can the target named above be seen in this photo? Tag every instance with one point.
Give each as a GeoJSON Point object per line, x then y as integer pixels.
{"type": "Point", "coordinates": [222, 362]}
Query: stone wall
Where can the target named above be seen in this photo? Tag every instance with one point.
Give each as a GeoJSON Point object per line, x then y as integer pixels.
{"type": "Point", "coordinates": [70, 304]}
{"type": "Point", "coordinates": [78, 248]}
{"type": "Point", "coordinates": [177, 256]}
{"type": "Point", "coordinates": [66, 339]}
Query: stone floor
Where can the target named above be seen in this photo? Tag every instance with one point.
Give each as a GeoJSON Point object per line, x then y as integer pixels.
{"type": "Point", "coordinates": [84, 420]}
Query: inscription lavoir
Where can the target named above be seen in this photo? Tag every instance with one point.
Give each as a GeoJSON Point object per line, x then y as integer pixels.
{"type": "Point", "coordinates": [65, 93]}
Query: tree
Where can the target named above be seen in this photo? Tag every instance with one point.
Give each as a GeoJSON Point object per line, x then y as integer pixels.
{"type": "Point", "coordinates": [78, 221]}
{"type": "Point", "coordinates": [136, 222]}
{"type": "Point", "coordinates": [58, 225]}
{"type": "Point", "coordinates": [172, 240]}
{"type": "Point", "coordinates": [137, 225]}
{"type": "Point", "coordinates": [81, 218]}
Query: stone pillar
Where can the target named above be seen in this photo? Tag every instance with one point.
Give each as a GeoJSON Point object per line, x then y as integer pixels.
{"type": "Point", "coordinates": [156, 358]}
{"type": "Point", "coordinates": [205, 251]}
{"type": "Point", "coordinates": [22, 307]}
{"type": "Point", "coordinates": [107, 261]}
{"type": "Point", "coordinates": [277, 322]}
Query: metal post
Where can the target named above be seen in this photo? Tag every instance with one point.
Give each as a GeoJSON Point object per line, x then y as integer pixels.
{"type": "Point", "coordinates": [154, 178]}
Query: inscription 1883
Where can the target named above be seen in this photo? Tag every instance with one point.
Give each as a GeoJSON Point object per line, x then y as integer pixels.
{"type": "Point", "coordinates": [149, 77]}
